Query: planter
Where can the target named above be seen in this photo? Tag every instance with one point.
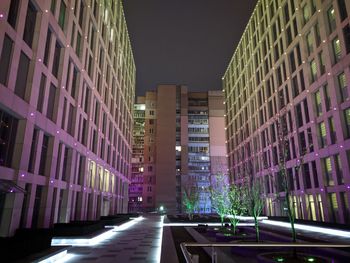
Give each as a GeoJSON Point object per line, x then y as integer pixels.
{"type": "Point", "coordinates": [288, 257]}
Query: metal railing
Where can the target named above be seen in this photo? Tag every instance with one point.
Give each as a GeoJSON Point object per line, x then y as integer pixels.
{"type": "Point", "coordinates": [194, 258]}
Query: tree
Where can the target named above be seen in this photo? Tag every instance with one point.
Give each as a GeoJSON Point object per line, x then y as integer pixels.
{"type": "Point", "coordinates": [219, 196]}
{"type": "Point", "coordinates": [190, 197]}
{"type": "Point", "coordinates": [190, 201]}
{"type": "Point", "coordinates": [255, 203]}
{"type": "Point", "coordinates": [237, 204]}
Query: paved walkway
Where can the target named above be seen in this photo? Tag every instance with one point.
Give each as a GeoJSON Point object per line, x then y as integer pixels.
{"type": "Point", "coordinates": [140, 242]}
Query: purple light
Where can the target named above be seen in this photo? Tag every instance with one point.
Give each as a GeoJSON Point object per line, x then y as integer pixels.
{"type": "Point", "coordinates": [51, 181]}
{"type": "Point", "coordinates": [1, 15]}
{"type": "Point", "coordinates": [32, 114]}
{"type": "Point", "coordinates": [22, 175]}
{"type": "Point", "coordinates": [321, 189]}
{"type": "Point", "coordinates": [348, 187]}
{"type": "Point", "coordinates": [57, 132]}
{"type": "Point", "coordinates": [84, 188]}
{"type": "Point", "coordinates": [11, 191]}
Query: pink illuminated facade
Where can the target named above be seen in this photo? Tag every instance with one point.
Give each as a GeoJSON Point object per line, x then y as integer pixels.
{"type": "Point", "coordinates": [67, 84]}
{"type": "Point", "coordinates": [293, 62]}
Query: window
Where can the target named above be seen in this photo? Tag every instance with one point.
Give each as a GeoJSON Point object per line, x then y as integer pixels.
{"type": "Point", "coordinates": [343, 88]}
{"type": "Point", "coordinates": [332, 131]}
{"type": "Point", "coordinates": [318, 104]}
{"type": "Point", "coordinates": [327, 97]}
{"type": "Point", "coordinates": [30, 24]}
{"type": "Point", "coordinates": [43, 155]}
{"type": "Point", "coordinates": [8, 132]}
{"type": "Point", "coordinates": [313, 70]}
{"type": "Point", "coordinates": [336, 49]}
{"type": "Point", "coordinates": [62, 15]}
{"type": "Point", "coordinates": [339, 169]}
{"type": "Point", "coordinates": [347, 121]}
{"type": "Point", "coordinates": [47, 47]}
{"type": "Point", "coordinates": [331, 19]}
{"type": "Point", "coordinates": [346, 33]}
{"type": "Point", "coordinates": [342, 9]}
{"type": "Point", "coordinates": [56, 59]}
{"type": "Point", "coordinates": [323, 134]}
{"type": "Point", "coordinates": [306, 13]}
{"type": "Point", "coordinates": [41, 96]}
{"type": "Point", "coordinates": [321, 61]}
{"type": "Point", "coordinates": [22, 75]}
{"type": "Point", "coordinates": [51, 102]}
{"type": "Point", "coordinates": [334, 209]}
{"type": "Point", "coordinates": [5, 59]}
{"type": "Point", "coordinates": [327, 169]}
{"type": "Point", "coordinates": [33, 150]}
{"type": "Point", "coordinates": [53, 6]}
{"type": "Point", "coordinates": [13, 12]}
{"type": "Point", "coordinates": [310, 43]}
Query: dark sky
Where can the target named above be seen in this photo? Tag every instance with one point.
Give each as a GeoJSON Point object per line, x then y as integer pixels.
{"type": "Point", "coordinates": [184, 41]}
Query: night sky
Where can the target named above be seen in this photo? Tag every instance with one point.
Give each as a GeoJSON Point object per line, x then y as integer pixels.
{"type": "Point", "coordinates": [186, 42]}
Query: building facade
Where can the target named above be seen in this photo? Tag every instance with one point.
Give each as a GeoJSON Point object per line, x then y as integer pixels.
{"type": "Point", "coordinates": [184, 145]}
{"type": "Point", "coordinates": [143, 177]}
{"type": "Point", "coordinates": [291, 66]}
{"type": "Point", "coordinates": [66, 93]}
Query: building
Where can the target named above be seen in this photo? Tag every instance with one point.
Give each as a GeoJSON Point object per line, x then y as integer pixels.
{"type": "Point", "coordinates": [292, 64]}
{"type": "Point", "coordinates": [143, 177]}
{"type": "Point", "coordinates": [67, 84]}
{"type": "Point", "coordinates": [184, 145]}
{"type": "Point", "coordinates": [137, 161]}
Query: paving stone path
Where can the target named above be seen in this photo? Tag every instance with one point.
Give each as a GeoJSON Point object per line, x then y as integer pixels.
{"type": "Point", "coordinates": [139, 243]}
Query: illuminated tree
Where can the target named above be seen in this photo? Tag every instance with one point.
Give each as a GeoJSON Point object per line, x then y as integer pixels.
{"type": "Point", "coordinates": [220, 196]}
{"type": "Point", "coordinates": [237, 204]}
{"type": "Point", "coordinates": [190, 199]}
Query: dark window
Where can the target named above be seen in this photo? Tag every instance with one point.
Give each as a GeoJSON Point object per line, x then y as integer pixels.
{"type": "Point", "coordinates": [43, 155]}
{"type": "Point", "coordinates": [56, 59]}
{"type": "Point", "coordinates": [342, 9]}
{"type": "Point", "coordinates": [30, 24]}
{"type": "Point", "coordinates": [346, 32]}
{"type": "Point", "coordinates": [53, 6]}
{"type": "Point", "coordinates": [41, 94]}
{"type": "Point", "coordinates": [65, 164]}
{"type": "Point", "coordinates": [8, 131]}
{"type": "Point", "coordinates": [62, 15]}
{"type": "Point", "coordinates": [13, 12]}
{"type": "Point", "coordinates": [5, 59]}
{"type": "Point", "coordinates": [47, 47]}
{"type": "Point", "coordinates": [51, 102]}
{"type": "Point", "coordinates": [22, 75]}
{"type": "Point", "coordinates": [33, 150]}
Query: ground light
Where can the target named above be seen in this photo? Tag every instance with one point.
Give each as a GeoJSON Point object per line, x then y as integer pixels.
{"type": "Point", "coordinates": [317, 229]}
{"type": "Point", "coordinates": [310, 259]}
{"type": "Point", "coordinates": [280, 259]}
{"type": "Point", "coordinates": [56, 241]}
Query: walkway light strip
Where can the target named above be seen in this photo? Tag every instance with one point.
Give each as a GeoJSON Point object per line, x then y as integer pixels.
{"type": "Point", "coordinates": [317, 229]}
{"type": "Point", "coordinates": [159, 248]}
{"type": "Point", "coordinates": [209, 224]}
{"type": "Point", "coordinates": [61, 256]}
{"type": "Point", "coordinates": [56, 241]}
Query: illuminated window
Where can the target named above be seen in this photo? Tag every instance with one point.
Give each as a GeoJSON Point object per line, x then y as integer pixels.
{"type": "Point", "coordinates": [343, 88]}
{"type": "Point", "coordinates": [318, 104]}
{"type": "Point", "coordinates": [323, 134]}
{"type": "Point", "coordinates": [327, 169]}
{"type": "Point", "coordinates": [336, 49]}
{"type": "Point", "coordinates": [331, 19]}
{"type": "Point", "coordinates": [313, 70]}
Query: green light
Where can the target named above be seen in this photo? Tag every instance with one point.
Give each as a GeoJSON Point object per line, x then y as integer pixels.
{"type": "Point", "coordinates": [161, 208]}
{"type": "Point", "coordinates": [310, 260]}
{"type": "Point", "coordinates": [280, 259]}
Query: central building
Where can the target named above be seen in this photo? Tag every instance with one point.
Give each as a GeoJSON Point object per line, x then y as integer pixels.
{"type": "Point", "coordinates": [183, 146]}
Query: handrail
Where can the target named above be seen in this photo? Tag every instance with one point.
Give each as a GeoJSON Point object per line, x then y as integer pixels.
{"type": "Point", "coordinates": [188, 255]}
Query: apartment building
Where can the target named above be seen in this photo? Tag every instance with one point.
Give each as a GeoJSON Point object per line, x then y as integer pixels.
{"type": "Point", "coordinates": [291, 66]}
{"type": "Point", "coordinates": [142, 193]}
{"type": "Point", "coordinates": [67, 85]}
{"type": "Point", "coordinates": [184, 146]}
